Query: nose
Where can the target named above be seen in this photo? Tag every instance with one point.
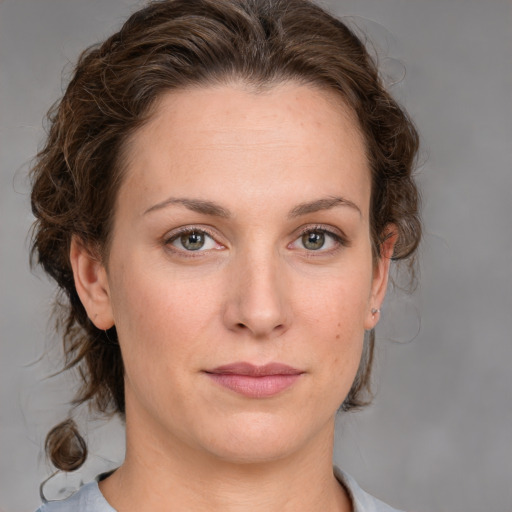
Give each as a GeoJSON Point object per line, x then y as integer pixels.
{"type": "Point", "coordinates": [257, 297]}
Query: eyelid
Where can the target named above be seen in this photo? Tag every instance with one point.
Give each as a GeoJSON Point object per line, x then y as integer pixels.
{"type": "Point", "coordinates": [325, 228]}
{"type": "Point", "coordinates": [174, 234]}
{"type": "Point", "coordinates": [335, 233]}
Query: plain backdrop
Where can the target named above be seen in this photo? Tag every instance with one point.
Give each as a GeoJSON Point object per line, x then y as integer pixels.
{"type": "Point", "coordinates": [438, 437]}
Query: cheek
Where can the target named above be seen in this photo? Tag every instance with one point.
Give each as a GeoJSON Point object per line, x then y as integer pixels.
{"type": "Point", "coordinates": [334, 313]}
{"type": "Point", "coordinates": [337, 301]}
{"type": "Point", "coordinates": [159, 320]}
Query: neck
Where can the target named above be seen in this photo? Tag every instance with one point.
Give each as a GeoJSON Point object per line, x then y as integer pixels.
{"type": "Point", "coordinates": [166, 476]}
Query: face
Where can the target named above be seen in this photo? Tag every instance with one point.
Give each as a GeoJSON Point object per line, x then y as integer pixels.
{"type": "Point", "coordinates": [240, 275]}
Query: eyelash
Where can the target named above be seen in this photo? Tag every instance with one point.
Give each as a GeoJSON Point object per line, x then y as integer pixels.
{"type": "Point", "coordinates": [175, 235]}
{"type": "Point", "coordinates": [340, 240]}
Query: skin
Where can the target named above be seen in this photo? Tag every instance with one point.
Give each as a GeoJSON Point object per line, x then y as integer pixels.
{"type": "Point", "coordinates": [271, 162]}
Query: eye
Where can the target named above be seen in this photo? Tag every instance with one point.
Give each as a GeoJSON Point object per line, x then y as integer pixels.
{"type": "Point", "coordinates": [318, 239]}
{"type": "Point", "coordinates": [313, 241]}
{"type": "Point", "coordinates": [193, 240]}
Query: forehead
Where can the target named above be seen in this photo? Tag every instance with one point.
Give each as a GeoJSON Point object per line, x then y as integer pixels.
{"type": "Point", "coordinates": [210, 138]}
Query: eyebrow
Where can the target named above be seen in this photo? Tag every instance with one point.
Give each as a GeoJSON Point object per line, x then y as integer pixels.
{"type": "Point", "coordinates": [211, 208]}
{"type": "Point", "coordinates": [196, 205]}
{"type": "Point", "coordinates": [325, 203]}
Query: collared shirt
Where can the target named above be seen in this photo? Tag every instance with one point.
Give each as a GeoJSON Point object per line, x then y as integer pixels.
{"type": "Point", "coordinates": [89, 498]}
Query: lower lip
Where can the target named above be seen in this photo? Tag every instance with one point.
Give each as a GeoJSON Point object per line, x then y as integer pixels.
{"type": "Point", "coordinates": [255, 387]}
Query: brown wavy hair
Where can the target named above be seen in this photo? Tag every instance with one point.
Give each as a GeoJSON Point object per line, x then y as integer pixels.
{"type": "Point", "coordinates": [175, 44]}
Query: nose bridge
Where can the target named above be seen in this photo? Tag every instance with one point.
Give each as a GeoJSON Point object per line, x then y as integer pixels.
{"type": "Point", "coordinates": [257, 299]}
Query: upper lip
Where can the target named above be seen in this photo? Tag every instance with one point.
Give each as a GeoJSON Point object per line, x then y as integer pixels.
{"type": "Point", "coordinates": [243, 368]}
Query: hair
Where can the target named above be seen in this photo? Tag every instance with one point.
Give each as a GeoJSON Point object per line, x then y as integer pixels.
{"type": "Point", "coordinates": [176, 44]}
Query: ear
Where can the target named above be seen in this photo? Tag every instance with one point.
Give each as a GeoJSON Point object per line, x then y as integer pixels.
{"type": "Point", "coordinates": [91, 284]}
{"type": "Point", "coordinates": [380, 276]}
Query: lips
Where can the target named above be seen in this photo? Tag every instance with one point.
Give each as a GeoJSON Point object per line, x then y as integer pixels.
{"type": "Point", "coordinates": [255, 381]}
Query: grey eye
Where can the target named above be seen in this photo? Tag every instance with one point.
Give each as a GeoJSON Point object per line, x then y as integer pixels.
{"type": "Point", "coordinates": [192, 241]}
{"type": "Point", "coordinates": [313, 240]}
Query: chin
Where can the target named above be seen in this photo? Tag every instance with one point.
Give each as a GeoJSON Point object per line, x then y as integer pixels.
{"type": "Point", "coordinates": [259, 438]}
{"type": "Point", "coordinates": [245, 451]}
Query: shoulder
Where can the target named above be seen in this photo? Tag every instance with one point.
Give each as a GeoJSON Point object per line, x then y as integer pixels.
{"type": "Point", "coordinates": [362, 501]}
{"type": "Point", "coordinates": [87, 499]}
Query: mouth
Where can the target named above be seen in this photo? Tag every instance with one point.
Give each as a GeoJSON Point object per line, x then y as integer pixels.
{"type": "Point", "coordinates": [255, 381]}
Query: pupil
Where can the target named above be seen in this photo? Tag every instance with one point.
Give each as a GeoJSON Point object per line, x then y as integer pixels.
{"type": "Point", "coordinates": [313, 241]}
{"type": "Point", "coordinates": [192, 241]}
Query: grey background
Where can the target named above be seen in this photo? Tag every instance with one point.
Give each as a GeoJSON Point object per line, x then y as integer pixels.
{"type": "Point", "coordinates": [439, 435]}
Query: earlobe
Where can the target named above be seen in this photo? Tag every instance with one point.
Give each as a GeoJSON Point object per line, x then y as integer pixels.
{"type": "Point", "coordinates": [91, 284]}
{"type": "Point", "coordinates": [380, 276]}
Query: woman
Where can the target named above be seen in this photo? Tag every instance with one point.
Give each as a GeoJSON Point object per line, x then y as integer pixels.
{"type": "Point", "coordinates": [224, 185]}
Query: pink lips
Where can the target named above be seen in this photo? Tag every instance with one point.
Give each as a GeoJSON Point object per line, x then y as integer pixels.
{"type": "Point", "coordinates": [255, 381]}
